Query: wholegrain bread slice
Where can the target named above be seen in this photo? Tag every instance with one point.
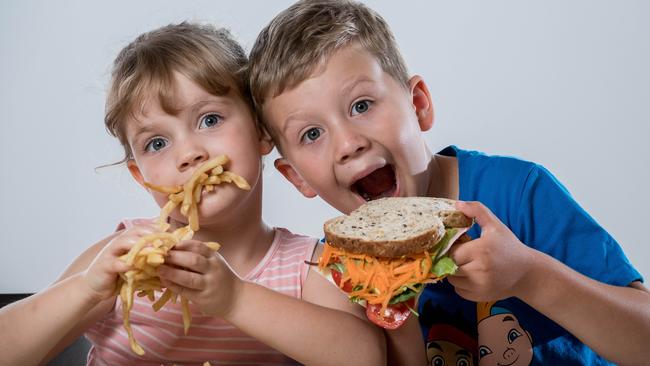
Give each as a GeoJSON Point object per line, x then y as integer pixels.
{"type": "Point", "coordinates": [395, 226]}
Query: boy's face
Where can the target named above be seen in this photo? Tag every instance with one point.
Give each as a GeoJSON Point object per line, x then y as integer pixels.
{"type": "Point", "coordinates": [168, 148]}
{"type": "Point", "coordinates": [351, 133]}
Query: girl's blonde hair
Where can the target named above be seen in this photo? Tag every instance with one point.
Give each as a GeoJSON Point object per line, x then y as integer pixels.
{"type": "Point", "coordinates": [208, 56]}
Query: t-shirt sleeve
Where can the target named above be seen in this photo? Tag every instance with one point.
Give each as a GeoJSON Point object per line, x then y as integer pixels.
{"type": "Point", "coordinates": [551, 221]}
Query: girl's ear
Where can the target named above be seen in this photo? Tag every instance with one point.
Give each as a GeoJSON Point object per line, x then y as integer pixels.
{"type": "Point", "coordinates": [421, 99]}
{"type": "Point", "coordinates": [266, 143]}
{"type": "Point", "coordinates": [135, 172]}
{"type": "Point", "coordinates": [292, 176]}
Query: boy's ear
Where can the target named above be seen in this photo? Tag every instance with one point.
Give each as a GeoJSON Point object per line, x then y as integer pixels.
{"type": "Point", "coordinates": [292, 176]}
{"type": "Point", "coordinates": [421, 102]}
{"type": "Point", "coordinates": [135, 172]}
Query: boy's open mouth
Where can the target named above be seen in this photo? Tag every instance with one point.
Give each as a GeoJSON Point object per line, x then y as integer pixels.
{"type": "Point", "coordinates": [378, 184]}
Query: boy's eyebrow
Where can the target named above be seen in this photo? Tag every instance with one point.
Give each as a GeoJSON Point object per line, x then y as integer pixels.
{"type": "Point", "coordinates": [353, 84]}
{"type": "Point", "coordinates": [347, 89]}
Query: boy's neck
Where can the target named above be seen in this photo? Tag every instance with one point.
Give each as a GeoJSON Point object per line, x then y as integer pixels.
{"type": "Point", "coordinates": [443, 177]}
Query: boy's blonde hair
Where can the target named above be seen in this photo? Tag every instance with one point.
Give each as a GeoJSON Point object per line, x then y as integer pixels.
{"type": "Point", "coordinates": [208, 56]}
{"type": "Point", "coordinates": [304, 36]}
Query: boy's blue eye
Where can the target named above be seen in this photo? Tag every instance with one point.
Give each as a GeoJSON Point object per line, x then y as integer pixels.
{"type": "Point", "coordinates": [209, 120]}
{"type": "Point", "coordinates": [311, 135]}
{"type": "Point", "coordinates": [360, 107]}
{"type": "Point", "coordinates": [512, 335]}
{"type": "Point", "coordinates": [155, 144]}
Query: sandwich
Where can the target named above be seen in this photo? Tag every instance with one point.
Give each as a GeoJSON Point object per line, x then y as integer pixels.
{"type": "Point", "coordinates": [383, 253]}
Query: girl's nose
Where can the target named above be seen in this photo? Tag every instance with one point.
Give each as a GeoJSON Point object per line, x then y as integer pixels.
{"type": "Point", "coordinates": [192, 158]}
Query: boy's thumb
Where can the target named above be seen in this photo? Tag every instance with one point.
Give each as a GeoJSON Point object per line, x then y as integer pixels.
{"type": "Point", "coordinates": [477, 211]}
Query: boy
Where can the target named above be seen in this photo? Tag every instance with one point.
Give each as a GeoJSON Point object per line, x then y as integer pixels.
{"type": "Point", "coordinates": [334, 93]}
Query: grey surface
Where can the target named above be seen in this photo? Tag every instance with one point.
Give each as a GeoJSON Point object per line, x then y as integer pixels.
{"type": "Point", "coordinates": [565, 84]}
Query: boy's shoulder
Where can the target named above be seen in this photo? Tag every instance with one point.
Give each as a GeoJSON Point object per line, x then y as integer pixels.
{"type": "Point", "coordinates": [475, 166]}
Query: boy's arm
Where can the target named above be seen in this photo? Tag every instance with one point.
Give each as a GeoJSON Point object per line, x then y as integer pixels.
{"type": "Point", "coordinates": [38, 327]}
{"type": "Point", "coordinates": [614, 321]}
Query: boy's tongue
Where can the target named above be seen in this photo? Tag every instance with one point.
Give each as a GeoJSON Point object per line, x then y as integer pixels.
{"type": "Point", "coordinates": [377, 184]}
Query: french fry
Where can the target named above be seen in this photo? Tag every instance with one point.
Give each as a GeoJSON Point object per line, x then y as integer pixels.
{"type": "Point", "coordinates": [150, 251]}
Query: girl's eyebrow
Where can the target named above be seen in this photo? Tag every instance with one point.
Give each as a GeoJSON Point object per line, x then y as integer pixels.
{"type": "Point", "coordinates": [142, 129]}
{"type": "Point", "coordinates": [198, 105]}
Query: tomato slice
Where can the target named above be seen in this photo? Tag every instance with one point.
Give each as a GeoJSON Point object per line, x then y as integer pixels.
{"type": "Point", "coordinates": [394, 316]}
{"type": "Point", "coordinates": [336, 276]}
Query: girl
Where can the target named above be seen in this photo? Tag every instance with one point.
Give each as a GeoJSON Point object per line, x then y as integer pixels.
{"type": "Point", "coordinates": [177, 99]}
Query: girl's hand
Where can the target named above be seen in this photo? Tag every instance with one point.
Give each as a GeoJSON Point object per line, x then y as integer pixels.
{"type": "Point", "coordinates": [202, 276]}
{"type": "Point", "coordinates": [494, 266]}
{"type": "Point", "coordinates": [101, 275]}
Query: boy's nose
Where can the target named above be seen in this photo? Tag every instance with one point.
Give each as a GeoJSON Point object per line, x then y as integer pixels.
{"type": "Point", "coordinates": [350, 144]}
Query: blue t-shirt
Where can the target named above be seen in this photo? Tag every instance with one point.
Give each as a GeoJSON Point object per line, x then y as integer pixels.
{"type": "Point", "coordinates": [543, 215]}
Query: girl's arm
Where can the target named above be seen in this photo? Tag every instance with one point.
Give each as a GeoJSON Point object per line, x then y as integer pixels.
{"type": "Point", "coordinates": [326, 329]}
{"type": "Point", "coordinates": [37, 328]}
{"type": "Point", "coordinates": [404, 346]}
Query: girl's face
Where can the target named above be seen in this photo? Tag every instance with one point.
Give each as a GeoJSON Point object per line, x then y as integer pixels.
{"type": "Point", "coordinates": [168, 148]}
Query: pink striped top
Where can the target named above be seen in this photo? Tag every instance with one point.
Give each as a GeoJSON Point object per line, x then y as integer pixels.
{"type": "Point", "coordinates": [209, 339]}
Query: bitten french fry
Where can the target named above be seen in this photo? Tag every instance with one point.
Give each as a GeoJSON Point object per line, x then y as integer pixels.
{"type": "Point", "coordinates": [149, 252]}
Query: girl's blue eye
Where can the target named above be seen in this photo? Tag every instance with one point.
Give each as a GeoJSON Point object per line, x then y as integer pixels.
{"type": "Point", "coordinates": [512, 335]}
{"type": "Point", "coordinates": [209, 120]}
{"type": "Point", "coordinates": [155, 144]}
{"type": "Point", "coordinates": [311, 135]}
{"type": "Point", "coordinates": [360, 107]}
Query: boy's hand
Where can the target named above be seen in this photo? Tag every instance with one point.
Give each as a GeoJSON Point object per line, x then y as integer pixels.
{"type": "Point", "coordinates": [494, 266]}
{"type": "Point", "coordinates": [101, 275]}
{"type": "Point", "coordinates": [202, 276]}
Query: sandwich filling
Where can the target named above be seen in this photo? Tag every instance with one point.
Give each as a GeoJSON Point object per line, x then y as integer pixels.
{"type": "Point", "coordinates": [383, 283]}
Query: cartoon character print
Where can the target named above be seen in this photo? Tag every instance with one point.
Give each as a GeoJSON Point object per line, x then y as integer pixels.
{"type": "Point", "coordinates": [451, 340]}
{"type": "Point", "coordinates": [502, 340]}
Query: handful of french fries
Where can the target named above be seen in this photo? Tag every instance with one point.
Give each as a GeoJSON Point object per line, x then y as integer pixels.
{"type": "Point", "coordinates": [149, 252]}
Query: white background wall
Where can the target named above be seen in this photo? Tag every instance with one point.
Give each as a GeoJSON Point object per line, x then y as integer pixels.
{"type": "Point", "coordinates": [565, 84]}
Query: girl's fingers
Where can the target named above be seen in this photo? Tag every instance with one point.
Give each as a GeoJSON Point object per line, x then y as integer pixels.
{"type": "Point", "coordinates": [181, 277]}
{"type": "Point", "coordinates": [195, 246]}
{"type": "Point", "coordinates": [189, 260]}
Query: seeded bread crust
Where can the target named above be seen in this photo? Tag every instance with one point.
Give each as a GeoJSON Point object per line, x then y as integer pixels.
{"type": "Point", "coordinates": [395, 226]}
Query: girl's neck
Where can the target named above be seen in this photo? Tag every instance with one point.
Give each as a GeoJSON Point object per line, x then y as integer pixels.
{"type": "Point", "coordinates": [244, 236]}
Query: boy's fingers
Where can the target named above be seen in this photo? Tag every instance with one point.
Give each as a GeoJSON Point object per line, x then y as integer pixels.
{"type": "Point", "coordinates": [476, 210]}
{"type": "Point", "coordinates": [461, 254]}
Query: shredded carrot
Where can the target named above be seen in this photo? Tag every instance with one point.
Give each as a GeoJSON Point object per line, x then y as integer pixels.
{"type": "Point", "coordinates": [379, 279]}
